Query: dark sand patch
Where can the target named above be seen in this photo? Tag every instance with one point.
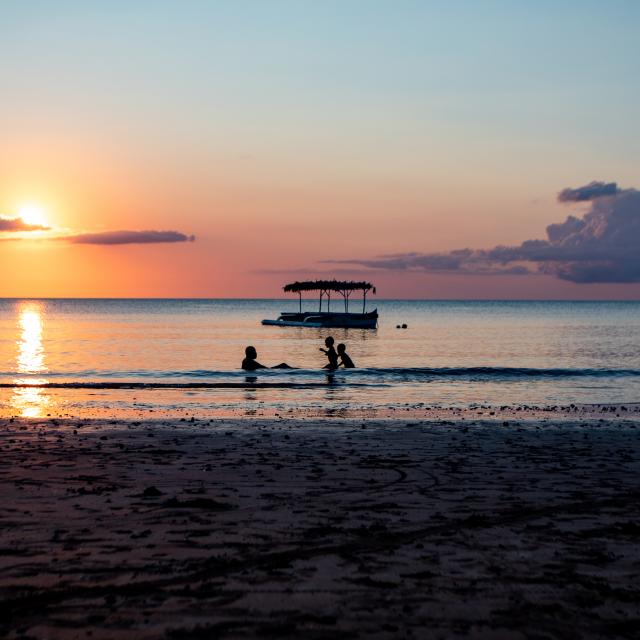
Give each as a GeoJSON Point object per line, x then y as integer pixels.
{"type": "Point", "coordinates": [284, 528]}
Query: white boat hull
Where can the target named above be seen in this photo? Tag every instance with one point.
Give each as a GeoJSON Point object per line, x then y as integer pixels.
{"type": "Point", "coordinates": [326, 319]}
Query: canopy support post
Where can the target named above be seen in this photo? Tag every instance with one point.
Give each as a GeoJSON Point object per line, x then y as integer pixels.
{"type": "Point", "coordinates": [326, 287]}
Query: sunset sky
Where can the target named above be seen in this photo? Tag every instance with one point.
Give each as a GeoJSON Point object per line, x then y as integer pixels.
{"type": "Point", "coordinates": [242, 145]}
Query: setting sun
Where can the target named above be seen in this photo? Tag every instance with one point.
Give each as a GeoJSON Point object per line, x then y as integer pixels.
{"type": "Point", "coordinates": [33, 214]}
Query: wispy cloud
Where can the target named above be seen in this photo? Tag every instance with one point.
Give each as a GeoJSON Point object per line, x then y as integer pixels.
{"type": "Point", "coordinates": [128, 237]}
{"type": "Point", "coordinates": [600, 246]}
{"type": "Point", "coordinates": [18, 224]}
{"type": "Point", "coordinates": [311, 273]}
{"type": "Point", "coordinates": [14, 229]}
{"type": "Point", "coordinates": [464, 261]}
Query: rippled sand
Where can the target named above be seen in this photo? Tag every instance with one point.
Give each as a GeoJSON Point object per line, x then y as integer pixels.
{"type": "Point", "coordinates": [489, 524]}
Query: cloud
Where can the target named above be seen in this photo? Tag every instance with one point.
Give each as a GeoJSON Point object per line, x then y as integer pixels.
{"type": "Point", "coordinates": [601, 246]}
{"type": "Point", "coordinates": [589, 192]}
{"type": "Point", "coordinates": [129, 237]}
{"type": "Point", "coordinates": [95, 238]}
{"type": "Point", "coordinates": [18, 224]}
{"type": "Point", "coordinates": [461, 261]}
{"type": "Point", "coordinates": [313, 273]}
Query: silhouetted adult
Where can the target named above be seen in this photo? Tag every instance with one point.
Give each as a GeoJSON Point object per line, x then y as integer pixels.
{"type": "Point", "coordinates": [250, 363]}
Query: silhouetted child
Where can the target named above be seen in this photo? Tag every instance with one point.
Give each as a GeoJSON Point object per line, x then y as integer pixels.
{"type": "Point", "coordinates": [251, 364]}
{"type": "Point", "coordinates": [345, 360]}
{"type": "Point", "coordinates": [330, 352]}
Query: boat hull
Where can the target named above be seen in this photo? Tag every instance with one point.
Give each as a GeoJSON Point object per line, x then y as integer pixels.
{"type": "Point", "coordinates": [326, 319]}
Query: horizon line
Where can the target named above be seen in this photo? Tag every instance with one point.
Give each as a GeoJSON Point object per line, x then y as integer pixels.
{"type": "Point", "coordinates": [205, 298]}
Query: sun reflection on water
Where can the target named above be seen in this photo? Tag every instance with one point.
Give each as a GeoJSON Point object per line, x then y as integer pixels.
{"type": "Point", "coordinates": [31, 402]}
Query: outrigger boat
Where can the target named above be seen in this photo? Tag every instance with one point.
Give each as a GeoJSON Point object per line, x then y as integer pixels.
{"type": "Point", "coordinates": [328, 318]}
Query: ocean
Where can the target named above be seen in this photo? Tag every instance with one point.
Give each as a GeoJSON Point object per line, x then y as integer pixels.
{"type": "Point", "coordinates": [152, 358]}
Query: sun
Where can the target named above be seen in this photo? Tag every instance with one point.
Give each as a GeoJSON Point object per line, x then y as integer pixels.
{"type": "Point", "coordinates": [34, 214]}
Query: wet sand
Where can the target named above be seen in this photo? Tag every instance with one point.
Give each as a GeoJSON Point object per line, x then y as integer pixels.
{"type": "Point", "coordinates": [486, 524]}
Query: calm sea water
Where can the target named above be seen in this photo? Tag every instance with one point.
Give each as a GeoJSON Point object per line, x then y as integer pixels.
{"type": "Point", "coordinates": [183, 357]}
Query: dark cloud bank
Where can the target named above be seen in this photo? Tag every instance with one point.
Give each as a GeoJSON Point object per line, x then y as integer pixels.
{"type": "Point", "coordinates": [18, 224]}
{"type": "Point", "coordinates": [129, 237]}
{"type": "Point", "coordinates": [601, 246]}
{"type": "Point", "coordinates": [588, 192]}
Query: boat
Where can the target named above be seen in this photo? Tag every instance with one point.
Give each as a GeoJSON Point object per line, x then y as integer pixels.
{"type": "Point", "coordinates": [326, 319]}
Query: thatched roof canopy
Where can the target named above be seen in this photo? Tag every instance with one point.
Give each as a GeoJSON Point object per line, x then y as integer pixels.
{"type": "Point", "coordinates": [341, 286]}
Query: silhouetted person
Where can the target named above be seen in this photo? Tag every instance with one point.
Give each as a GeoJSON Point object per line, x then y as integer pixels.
{"type": "Point", "coordinates": [345, 360]}
{"type": "Point", "coordinates": [331, 354]}
{"type": "Point", "coordinates": [251, 364]}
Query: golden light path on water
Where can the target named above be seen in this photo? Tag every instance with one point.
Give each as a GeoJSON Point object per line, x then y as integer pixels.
{"type": "Point", "coordinates": [30, 402]}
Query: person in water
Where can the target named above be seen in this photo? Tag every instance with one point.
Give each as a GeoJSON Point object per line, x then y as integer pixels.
{"type": "Point", "coordinates": [345, 360]}
{"type": "Point", "coordinates": [331, 354]}
{"type": "Point", "coordinates": [250, 362]}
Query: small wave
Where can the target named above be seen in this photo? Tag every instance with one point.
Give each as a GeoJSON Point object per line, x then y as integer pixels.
{"type": "Point", "coordinates": [178, 385]}
{"type": "Point", "coordinates": [293, 378]}
{"type": "Point", "coordinates": [499, 372]}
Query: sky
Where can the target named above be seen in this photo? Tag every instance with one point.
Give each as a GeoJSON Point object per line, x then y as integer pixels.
{"type": "Point", "coordinates": [223, 149]}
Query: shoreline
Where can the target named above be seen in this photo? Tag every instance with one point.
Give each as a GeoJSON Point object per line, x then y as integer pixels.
{"type": "Point", "coordinates": [252, 408]}
{"type": "Point", "coordinates": [346, 528]}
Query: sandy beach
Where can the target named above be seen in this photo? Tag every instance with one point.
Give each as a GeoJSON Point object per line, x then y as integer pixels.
{"type": "Point", "coordinates": [463, 523]}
